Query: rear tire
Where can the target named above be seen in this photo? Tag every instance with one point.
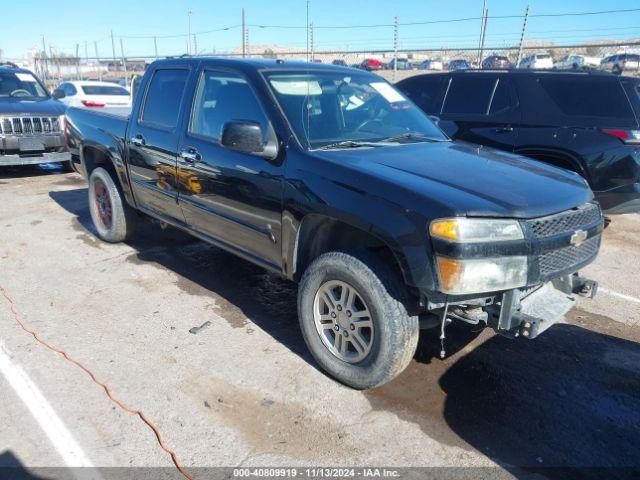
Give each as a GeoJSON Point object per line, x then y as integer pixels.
{"type": "Point", "coordinates": [113, 218]}
{"type": "Point", "coordinates": [385, 348]}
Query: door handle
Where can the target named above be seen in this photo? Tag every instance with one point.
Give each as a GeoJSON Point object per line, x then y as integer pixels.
{"type": "Point", "coordinates": [138, 141]}
{"type": "Point", "coordinates": [503, 130]}
{"type": "Point", "coordinates": [190, 155]}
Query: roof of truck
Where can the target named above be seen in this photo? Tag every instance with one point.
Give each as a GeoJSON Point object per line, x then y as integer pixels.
{"type": "Point", "coordinates": [262, 63]}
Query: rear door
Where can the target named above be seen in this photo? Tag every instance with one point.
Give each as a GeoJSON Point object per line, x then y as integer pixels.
{"type": "Point", "coordinates": [234, 198]}
{"type": "Point", "coordinates": [153, 141]}
{"type": "Point", "coordinates": [481, 108]}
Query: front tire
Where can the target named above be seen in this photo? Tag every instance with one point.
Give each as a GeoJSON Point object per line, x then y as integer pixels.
{"type": "Point", "coordinates": [354, 320]}
{"type": "Point", "coordinates": [112, 217]}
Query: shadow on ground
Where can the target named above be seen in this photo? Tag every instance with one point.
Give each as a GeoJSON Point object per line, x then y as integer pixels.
{"type": "Point", "coordinates": [12, 469]}
{"type": "Point", "coordinates": [31, 170]}
{"type": "Point", "coordinates": [566, 405]}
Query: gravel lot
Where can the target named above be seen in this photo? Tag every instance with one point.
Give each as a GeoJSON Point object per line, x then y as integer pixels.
{"type": "Point", "coordinates": [244, 391]}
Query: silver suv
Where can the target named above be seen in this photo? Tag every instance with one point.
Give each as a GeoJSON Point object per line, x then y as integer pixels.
{"type": "Point", "coordinates": [621, 62]}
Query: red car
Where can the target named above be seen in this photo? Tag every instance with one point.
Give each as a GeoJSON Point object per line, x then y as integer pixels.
{"type": "Point", "coordinates": [371, 64]}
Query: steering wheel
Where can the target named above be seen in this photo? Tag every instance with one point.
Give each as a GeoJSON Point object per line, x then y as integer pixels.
{"type": "Point", "coordinates": [20, 92]}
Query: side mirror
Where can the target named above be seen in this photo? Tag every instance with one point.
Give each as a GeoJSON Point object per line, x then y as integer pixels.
{"type": "Point", "coordinates": [435, 119]}
{"type": "Point", "coordinates": [58, 94]}
{"type": "Point", "coordinates": [247, 137]}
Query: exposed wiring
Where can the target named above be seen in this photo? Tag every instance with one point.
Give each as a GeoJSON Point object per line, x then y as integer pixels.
{"type": "Point", "coordinates": [443, 324]}
{"type": "Point", "coordinates": [112, 397]}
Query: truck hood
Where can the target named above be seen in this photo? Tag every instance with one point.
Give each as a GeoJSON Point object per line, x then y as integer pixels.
{"type": "Point", "coordinates": [466, 179]}
{"type": "Point", "coordinates": [18, 106]}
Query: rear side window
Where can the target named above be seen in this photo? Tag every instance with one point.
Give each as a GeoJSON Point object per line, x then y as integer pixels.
{"type": "Point", "coordinates": [591, 97]}
{"type": "Point", "coordinates": [164, 96]}
{"type": "Point", "coordinates": [469, 95]}
{"type": "Point", "coordinates": [103, 90]}
{"type": "Point", "coordinates": [504, 98]}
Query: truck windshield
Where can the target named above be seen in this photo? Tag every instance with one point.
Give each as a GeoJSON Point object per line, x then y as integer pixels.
{"type": "Point", "coordinates": [336, 108]}
{"type": "Point", "coordinates": [19, 84]}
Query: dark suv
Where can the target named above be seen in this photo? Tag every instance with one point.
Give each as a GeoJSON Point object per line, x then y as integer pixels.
{"type": "Point", "coordinates": [585, 122]}
{"type": "Point", "coordinates": [31, 121]}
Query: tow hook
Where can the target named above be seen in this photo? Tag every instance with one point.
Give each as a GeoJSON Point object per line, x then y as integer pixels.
{"type": "Point", "coordinates": [585, 287]}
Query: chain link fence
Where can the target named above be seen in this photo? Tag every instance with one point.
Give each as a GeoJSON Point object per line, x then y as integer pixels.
{"type": "Point", "coordinates": [390, 64]}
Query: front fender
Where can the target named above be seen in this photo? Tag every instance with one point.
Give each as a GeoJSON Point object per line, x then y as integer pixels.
{"type": "Point", "coordinates": [402, 230]}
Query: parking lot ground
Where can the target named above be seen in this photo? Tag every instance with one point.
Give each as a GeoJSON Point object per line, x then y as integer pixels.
{"type": "Point", "coordinates": [244, 391]}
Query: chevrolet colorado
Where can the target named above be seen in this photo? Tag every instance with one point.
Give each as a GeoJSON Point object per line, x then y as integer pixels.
{"type": "Point", "coordinates": [330, 177]}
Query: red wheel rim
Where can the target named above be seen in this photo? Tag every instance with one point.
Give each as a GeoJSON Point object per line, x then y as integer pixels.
{"type": "Point", "coordinates": [102, 204]}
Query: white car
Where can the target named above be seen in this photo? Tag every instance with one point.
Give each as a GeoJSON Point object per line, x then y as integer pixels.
{"type": "Point", "coordinates": [578, 62]}
{"type": "Point", "coordinates": [537, 61]}
{"type": "Point", "coordinates": [91, 94]}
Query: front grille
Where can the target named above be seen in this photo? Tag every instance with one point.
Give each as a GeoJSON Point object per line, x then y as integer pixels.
{"type": "Point", "coordinates": [29, 125]}
{"type": "Point", "coordinates": [569, 258]}
{"type": "Point", "coordinates": [566, 222]}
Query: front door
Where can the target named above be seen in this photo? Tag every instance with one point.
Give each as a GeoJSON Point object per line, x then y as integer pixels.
{"type": "Point", "coordinates": [153, 143]}
{"type": "Point", "coordinates": [232, 197]}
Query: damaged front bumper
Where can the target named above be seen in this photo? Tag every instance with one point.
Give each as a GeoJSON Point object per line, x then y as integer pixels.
{"type": "Point", "coordinates": [529, 312]}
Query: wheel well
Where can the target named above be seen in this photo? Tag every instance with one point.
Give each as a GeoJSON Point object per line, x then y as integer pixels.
{"type": "Point", "coordinates": [95, 158]}
{"type": "Point", "coordinates": [319, 234]}
{"type": "Point", "coordinates": [557, 160]}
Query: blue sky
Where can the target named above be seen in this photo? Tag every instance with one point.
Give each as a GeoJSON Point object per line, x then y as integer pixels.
{"type": "Point", "coordinates": [71, 22]}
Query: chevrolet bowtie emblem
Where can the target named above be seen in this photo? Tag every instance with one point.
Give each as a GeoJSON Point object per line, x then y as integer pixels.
{"type": "Point", "coordinates": [578, 237]}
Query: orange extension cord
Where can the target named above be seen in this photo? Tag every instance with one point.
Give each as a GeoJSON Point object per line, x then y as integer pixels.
{"type": "Point", "coordinates": [139, 413]}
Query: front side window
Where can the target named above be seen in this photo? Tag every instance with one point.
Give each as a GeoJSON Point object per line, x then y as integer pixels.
{"type": "Point", "coordinates": [164, 95]}
{"type": "Point", "coordinates": [326, 108]}
{"type": "Point", "coordinates": [220, 98]}
{"type": "Point", "coordinates": [469, 95]}
{"type": "Point", "coordinates": [19, 84]}
{"type": "Point", "coordinates": [426, 92]}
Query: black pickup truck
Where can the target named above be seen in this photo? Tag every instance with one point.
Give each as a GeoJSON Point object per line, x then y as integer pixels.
{"type": "Point", "coordinates": [330, 177]}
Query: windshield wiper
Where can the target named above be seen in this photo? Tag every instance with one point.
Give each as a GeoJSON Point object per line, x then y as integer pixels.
{"type": "Point", "coordinates": [413, 136]}
{"type": "Point", "coordinates": [349, 144]}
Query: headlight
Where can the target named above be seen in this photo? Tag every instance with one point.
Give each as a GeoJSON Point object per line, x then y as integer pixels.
{"type": "Point", "coordinates": [460, 277]}
{"type": "Point", "coordinates": [475, 230]}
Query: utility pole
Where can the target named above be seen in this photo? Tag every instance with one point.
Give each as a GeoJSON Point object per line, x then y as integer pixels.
{"type": "Point", "coordinates": [311, 41]}
{"type": "Point", "coordinates": [189, 41]}
{"type": "Point", "coordinates": [113, 49]}
{"type": "Point", "coordinates": [244, 33]}
{"type": "Point", "coordinates": [95, 46]}
{"type": "Point", "coordinates": [246, 40]}
{"type": "Point", "coordinates": [484, 35]}
{"type": "Point", "coordinates": [524, 29]}
{"type": "Point", "coordinates": [86, 52]}
{"type": "Point", "coordinates": [78, 61]}
{"type": "Point", "coordinates": [155, 46]}
{"type": "Point", "coordinates": [484, 13]}
{"type": "Point", "coordinates": [195, 44]}
{"type": "Point", "coordinates": [395, 47]}
{"type": "Point", "coordinates": [307, 30]}
{"type": "Point", "coordinates": [124, 63]}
